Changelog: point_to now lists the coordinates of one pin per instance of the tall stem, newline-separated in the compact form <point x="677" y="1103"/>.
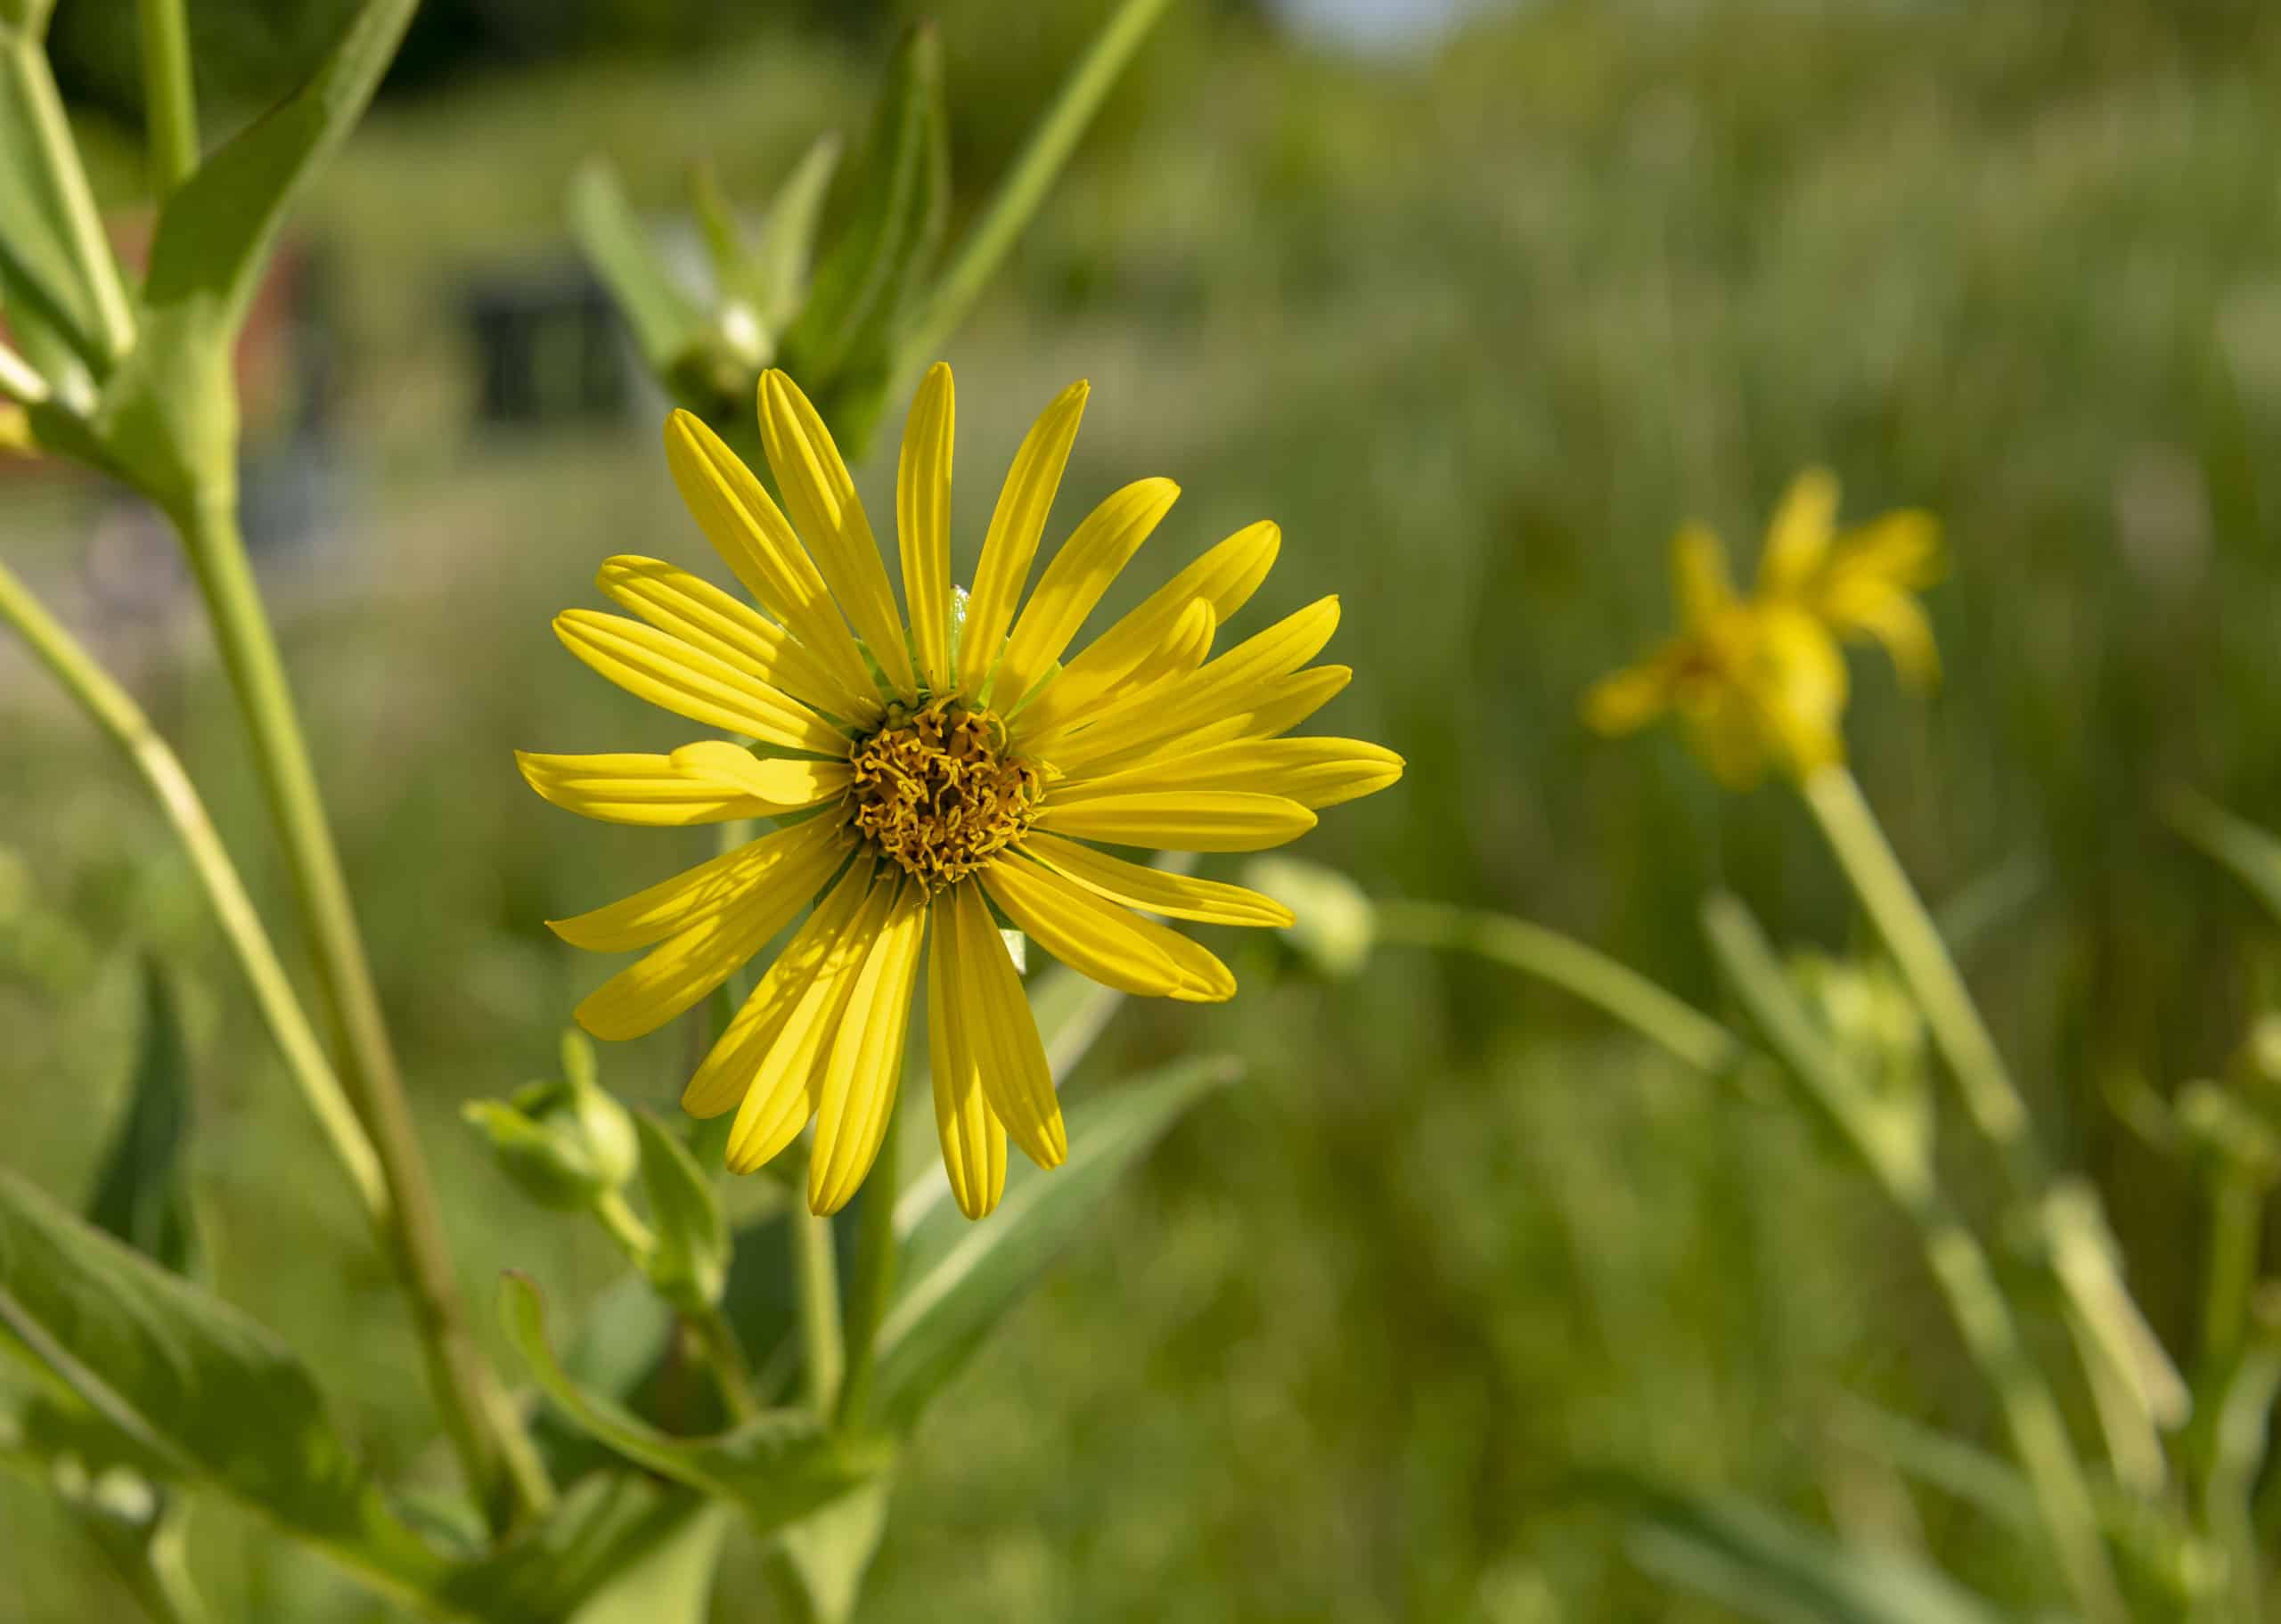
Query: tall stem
<point x="117" y="713"/>
<point x="479" y="1419"/>
<point x="1910" y="935"/>
<point x="169" y="98"/>
<point x="1023" y="187"/>
<point x="875" y="1265"/>
<point x="1569" y="964"/>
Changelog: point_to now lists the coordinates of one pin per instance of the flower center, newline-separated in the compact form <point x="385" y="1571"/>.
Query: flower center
<point x="936" y="790"/>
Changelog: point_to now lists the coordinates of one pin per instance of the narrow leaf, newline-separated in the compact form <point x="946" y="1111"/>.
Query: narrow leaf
<point x="817" y="1565"/>
<point x="666" y="321"/>
<point x="142" y="1196"/>
<point x="608" y="1528"/>
<point x="192" y="1382"/>
<point x="959" y="1280"/>
<point x="779" y="1466"/>
<point x="780" y="266"/>
<point x="1768" y="1566"/>
<point x="49" y="302"/>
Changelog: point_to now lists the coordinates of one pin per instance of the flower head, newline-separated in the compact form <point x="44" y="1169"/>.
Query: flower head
<point x="923" y="775"/>
<point x="1759" y="681"/>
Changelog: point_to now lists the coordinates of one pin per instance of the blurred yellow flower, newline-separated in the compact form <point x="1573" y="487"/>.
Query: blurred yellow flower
<point x="922" y="776"/>
<point x="1759" y="681"/>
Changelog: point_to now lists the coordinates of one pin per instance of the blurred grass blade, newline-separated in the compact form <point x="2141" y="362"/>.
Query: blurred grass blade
<point x="1023" y="188"/>
<point x="195" y="1382"/>
<point x="143" y="1193"/>
<point x="690" y="1261"/>
<point x="778" y="1467"/>
<point x="959" y="1278"/>
<point x="817" y="1565"/>
<point x="2252" y="854"/>
<point x="900" y="203"/>
<point x="780" y="267"/>
<point x="666" y="319"/>
<point x="1768" y="1566"/>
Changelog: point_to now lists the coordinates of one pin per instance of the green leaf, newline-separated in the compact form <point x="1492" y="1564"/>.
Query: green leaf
<point x="780" y="267"/>
<point x="816" y="1566"/>
<point x="690" y="1262"/>
<point x="1768" y="1566"/>
<point x="611" y="1529"/>
<point x="672" y="1583"/>
<point x="28" y="18"/>
<point x="958" y="1278"/>
<point x="193" y="1383"/>
<point x="875" y="269"/>
<point x="143" y="1194"/>
<point x="170" y="414"/>
<point x="666" y="320"/>
<point x="779" y="1466"/>
<point x="2252" y="855"/>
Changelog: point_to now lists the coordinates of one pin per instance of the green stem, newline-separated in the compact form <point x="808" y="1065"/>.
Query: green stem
<point x="1906" y="929"/>
<point x="169" y="98"/>
<point x="875" y="1265"/>
<point x="484" y="1427"/>
<point x="725" y="1356"/>
<point x="19" y="380"/>
<point x="1569" y="964"/>
<point x="635" y="1238"/>
<point x="1898" y="1156"/>
<point x="1023" y="187"/>
<point x="2229" y="1270"/>
<point x="57" y="157"/>
<point x="115" y="713"/>
<point x="816" y="1275"/>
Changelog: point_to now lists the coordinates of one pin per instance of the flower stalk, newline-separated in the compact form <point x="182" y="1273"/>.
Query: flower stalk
<point x="169" y="98"/>
<point x="485" y="1432"/>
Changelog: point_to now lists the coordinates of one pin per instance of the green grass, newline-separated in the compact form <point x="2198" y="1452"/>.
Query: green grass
<point x="1477" y="332"/>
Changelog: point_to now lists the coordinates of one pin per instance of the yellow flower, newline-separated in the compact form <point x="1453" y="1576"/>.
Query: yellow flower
<point x="1759" y="681"/>
<point x="921" y="778"/>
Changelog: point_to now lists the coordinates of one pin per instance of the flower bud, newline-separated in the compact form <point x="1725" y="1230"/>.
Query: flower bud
<point x="564" y="1141"/>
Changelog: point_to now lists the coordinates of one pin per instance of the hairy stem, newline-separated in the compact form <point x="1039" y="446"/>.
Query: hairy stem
<point x="484" y="1428"/>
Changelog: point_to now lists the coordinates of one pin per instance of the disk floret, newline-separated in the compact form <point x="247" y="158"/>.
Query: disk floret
<point x="937" y="790"/>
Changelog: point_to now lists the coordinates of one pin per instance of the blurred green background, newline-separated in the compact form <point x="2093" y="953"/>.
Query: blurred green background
<point x="1478" y="314"/>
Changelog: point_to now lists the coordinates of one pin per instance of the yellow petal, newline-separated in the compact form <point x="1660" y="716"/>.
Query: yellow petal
<point x="1180" y="896"/>
<point x="778" y="784"/>
<point x="865" y="1065"/>
<point x="974" y="1140"/>
<point x="728" y="1068"/>
<point x="1799" y="684"/>
<point x="1315" y="772"/>
<point x="757" y="541"/>
<point x="787" y="1087"/>
<point x="1700" y="576"/>
<point x="1798" y="540"/>
<point x="1900" y="549"/>
<point x="798" y="860"/>
<point x="1227" y="686"/>
<point x="1281" y="705"/>
<point x="1896" y="620"/>
<point x="1628" y="700"/>
<point x="673" y="976"/>
<point x="704" y="617"/>
<point x="1224" y="577"/>
<point x="674" y="676"/>
<point x="1073" y="582"/>
<point x="1180" y="820"/>
<point x="627" y="788"/>
<point x="922" y="521"/>
<point x="829" y="517"/>
<point x="1186" y="649"/>
<point x="1097" y="938"/>
<point x="991" y="1018"/>
<point x="1011" y="542"/>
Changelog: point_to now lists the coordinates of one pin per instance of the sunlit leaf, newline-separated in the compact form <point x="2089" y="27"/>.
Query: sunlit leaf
<point x="666" y="319"/>
<point x="787" y="238"/>
<point x="778" y="1467"/>
<point x="816" y="1566"/>
<point x="193" y="1383"/>
<point x="611" y="1529"/>
<point x="959" y="1278"/>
